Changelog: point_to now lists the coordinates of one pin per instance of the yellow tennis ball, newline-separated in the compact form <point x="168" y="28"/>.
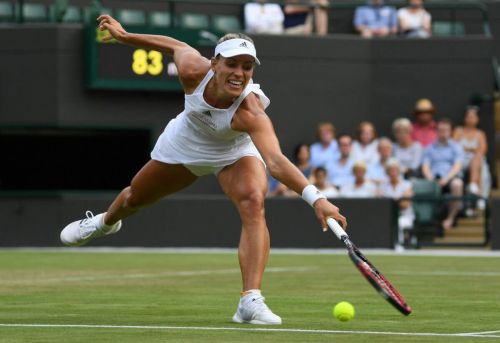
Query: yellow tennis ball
<point x="343" y="311"/>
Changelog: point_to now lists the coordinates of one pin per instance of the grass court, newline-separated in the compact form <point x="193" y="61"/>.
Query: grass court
<point x="89" y="296"/>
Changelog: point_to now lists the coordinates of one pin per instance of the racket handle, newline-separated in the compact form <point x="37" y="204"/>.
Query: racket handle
<point x="336" y="228"/>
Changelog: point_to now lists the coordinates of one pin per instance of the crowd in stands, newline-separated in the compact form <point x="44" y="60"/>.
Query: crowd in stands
<point x="375" y="19"/>
<point x="365" y="165"/>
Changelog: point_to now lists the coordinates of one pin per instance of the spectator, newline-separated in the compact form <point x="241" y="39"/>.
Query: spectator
<point x="414" y="20"/>
<point x="340" y="170"/>
<point x="263" y="17"/>
<point x="361" y="187"/>
<point x="302" y="159"/>
<point x="298" y="20"/>
<point x="375" y="19"/>
<point x="326" y="150"/>
<point x="406" y="151"/>
<point x="320" y="177"/>
<point x="473" y="142"/>
<point x="376" y="170"/>
<point x="397" y="188"/>
<point x="424" y="127"/>
<point x="366" y="145"/>
<point x="443" y="163"/>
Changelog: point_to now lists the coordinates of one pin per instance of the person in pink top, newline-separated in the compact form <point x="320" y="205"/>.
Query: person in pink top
<point x="424" y="126"/>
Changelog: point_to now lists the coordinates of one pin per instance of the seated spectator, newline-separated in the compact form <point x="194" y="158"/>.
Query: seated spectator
<point x="361" y="187"/>
<point x="442" y="162"/>
<point x="326" y="150"/>
<point x="320" y="177"/>
<point x="375" y="19"/>
<point x="376" y="170"/>
<point x="414" y="20"/>
<point x="397" y="188"/>
<point x="473" y="142"/>
<point x="365" y="147"/>
<point x="298" y="20"/>
<point x="406" y="151"/>
<point x="340" y="170"/>
<point x="424" y="127"/>
<point x="263" y="17"/>
<point x="302" y="157"/>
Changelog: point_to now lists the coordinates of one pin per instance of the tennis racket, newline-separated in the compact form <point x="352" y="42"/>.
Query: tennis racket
<point x="368" y="270"/>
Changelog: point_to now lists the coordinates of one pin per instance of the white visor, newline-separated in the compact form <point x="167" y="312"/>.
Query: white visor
<point x="235" y="47"/>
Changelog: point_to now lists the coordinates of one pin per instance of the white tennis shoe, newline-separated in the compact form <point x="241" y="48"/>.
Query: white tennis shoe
<point x="252" y="309"/>
<point x="82" y="231"/>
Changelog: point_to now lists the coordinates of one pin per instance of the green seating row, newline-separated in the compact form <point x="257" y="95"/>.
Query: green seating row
<point x="35" y="12"/>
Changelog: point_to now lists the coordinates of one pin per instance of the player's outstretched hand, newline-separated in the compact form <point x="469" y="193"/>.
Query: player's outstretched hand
<point x="115" y="29"/>
<point x="324" y="210"/>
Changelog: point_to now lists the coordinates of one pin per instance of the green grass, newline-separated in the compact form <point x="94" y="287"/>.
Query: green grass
<point x="448" y="295"/>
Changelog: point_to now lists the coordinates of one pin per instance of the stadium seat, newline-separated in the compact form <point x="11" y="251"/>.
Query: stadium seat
<point x="226" y="23"/>
<point x="159" y="19"/>
<point x="6" y="12"/>
<point x="448" y="28"/>
<point x="427" y="208"/>
<point x="34" y="13"/>
<point x="131" y="17"/>
<point x="194" y="21"/>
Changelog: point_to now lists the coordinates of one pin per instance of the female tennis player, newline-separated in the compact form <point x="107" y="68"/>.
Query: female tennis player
<point x="225" y="131"/>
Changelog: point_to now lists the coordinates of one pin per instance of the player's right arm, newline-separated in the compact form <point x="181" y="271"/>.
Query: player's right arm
<point x="191" y="65"/>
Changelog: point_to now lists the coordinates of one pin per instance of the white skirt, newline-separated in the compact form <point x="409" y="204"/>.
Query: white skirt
<point x="167" y="151"/>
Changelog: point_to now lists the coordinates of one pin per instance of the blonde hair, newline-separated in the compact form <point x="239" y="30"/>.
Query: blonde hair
<point x="401" y="123"/>
<point x="359" y="164"/>
<point x="392" y="162"/>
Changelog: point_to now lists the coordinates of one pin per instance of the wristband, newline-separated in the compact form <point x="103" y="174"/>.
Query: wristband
<point x="311" y="194"/>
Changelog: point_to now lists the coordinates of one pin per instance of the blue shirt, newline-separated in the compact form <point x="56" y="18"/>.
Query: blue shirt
<point x="441" y="157"/>
<point x="340" y="174"/>
<point x="321" y="157"/>
<point x="376" y="17"/>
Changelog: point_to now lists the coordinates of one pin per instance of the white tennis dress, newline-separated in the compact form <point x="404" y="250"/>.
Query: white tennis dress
<point x="201" y="137"/>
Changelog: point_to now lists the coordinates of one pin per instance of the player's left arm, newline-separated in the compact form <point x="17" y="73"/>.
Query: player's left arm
<point x="252" y="119"/>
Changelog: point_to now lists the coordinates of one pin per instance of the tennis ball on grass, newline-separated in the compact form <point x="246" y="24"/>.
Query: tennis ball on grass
<point x="343" y="311"/>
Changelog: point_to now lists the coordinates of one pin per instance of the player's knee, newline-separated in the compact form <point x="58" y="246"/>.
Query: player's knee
<point x="133" y="200"/>
<point x="252" y="204"/>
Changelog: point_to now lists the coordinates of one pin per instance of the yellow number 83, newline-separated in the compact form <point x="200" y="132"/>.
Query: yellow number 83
<point x="147" y="62"/>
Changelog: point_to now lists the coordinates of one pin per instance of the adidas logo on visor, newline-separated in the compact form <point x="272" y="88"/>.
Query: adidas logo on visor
<point x="244" y="45"/>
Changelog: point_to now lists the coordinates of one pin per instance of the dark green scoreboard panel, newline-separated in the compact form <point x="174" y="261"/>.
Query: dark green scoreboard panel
<point x="111" y="65"/>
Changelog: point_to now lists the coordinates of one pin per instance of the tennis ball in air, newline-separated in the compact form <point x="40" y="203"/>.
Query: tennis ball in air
<point x="343" y="311"/>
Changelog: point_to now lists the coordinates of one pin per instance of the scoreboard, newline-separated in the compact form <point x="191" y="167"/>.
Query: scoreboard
<point x="112" y="65"/>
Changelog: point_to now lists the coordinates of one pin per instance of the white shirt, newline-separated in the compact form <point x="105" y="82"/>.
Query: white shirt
<point x="414" y="20"/>
<point x="388" y="190"/>
<point x="366" y="190"/>
<point x="368" y="153"/>
<point x="263" y="18"/>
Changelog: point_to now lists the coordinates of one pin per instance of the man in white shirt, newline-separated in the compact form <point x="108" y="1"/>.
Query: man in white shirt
<point x="262" y="17"/>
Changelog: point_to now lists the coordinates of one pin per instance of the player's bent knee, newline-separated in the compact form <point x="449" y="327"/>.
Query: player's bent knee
<point x="252" y="204"/>
<point x="134" y="201"/>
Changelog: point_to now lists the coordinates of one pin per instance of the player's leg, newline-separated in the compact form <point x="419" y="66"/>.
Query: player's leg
<point x="245" y="183"/>
<point x="153" y="182"/>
